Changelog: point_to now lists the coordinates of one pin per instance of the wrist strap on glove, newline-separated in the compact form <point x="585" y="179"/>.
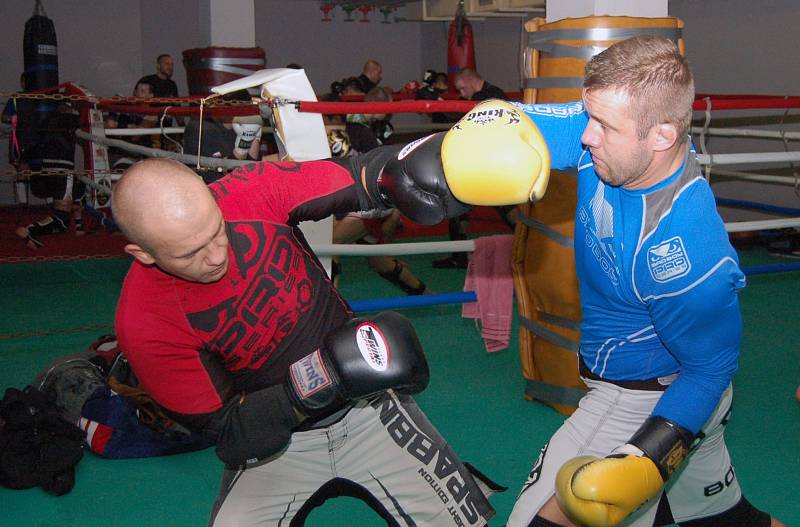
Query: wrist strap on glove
<point x="371" y="163"/>
<point x="664" y="442"/>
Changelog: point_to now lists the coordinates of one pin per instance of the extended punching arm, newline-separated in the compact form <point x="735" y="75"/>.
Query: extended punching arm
<point x="494" y="156"/>
<point x="602" y="492"/>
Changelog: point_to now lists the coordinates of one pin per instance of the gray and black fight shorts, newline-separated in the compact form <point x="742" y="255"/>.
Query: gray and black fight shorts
<point x="383" y="451"/>
<point x="606" y="418"/>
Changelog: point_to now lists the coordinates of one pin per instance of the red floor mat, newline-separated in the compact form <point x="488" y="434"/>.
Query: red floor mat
<point x="96" y="243"/>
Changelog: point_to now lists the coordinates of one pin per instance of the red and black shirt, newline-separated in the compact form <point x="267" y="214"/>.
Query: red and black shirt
<point x="194" y="346"/>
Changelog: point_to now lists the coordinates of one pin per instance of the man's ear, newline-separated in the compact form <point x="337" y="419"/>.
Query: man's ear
<point x="140" y="254"/>
<point x="666" y="136"/>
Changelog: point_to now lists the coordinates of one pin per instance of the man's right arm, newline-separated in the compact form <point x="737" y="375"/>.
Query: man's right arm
<point x="561" y="125"/>
<point x="195" y="389"/>
<point x="494" y="156"/>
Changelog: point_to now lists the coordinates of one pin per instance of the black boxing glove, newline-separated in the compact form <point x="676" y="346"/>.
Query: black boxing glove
<point x="382" y="129"/>
<point x="414" y="182"/>
<point x="361" y="358"/>
<point x="411" y="178"/>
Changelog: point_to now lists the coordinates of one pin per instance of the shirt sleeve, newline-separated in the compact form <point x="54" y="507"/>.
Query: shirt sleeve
<point x="690" y="283"/>
<point x="168" y="360"/>
<point x="288" y="192"/>
<point x="562" y="126"/>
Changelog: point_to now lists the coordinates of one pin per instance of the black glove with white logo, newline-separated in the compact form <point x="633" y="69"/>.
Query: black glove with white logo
<point x="361" y="358"/>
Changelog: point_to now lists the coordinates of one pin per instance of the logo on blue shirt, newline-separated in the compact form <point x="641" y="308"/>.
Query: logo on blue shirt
<point x="668" y="260"/>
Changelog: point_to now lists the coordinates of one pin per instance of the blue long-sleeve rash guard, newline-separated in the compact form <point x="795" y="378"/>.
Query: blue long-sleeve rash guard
<point x="658" y="277"/>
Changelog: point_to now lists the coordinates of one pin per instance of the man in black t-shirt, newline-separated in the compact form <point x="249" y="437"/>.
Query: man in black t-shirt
<point x="161" y="80"/>
<point x="370" y="75"/>
<point x="471" y="86"/>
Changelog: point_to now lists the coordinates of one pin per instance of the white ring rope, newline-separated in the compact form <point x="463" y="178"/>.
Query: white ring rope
<point x="393" y="249"/>
<point x="719" y="159"/>
<point x="143" y="131"/>
<point x="400" y="127"/>
<point x="749" y="158"/>
<point x="751" y="176"/>
<point x="212" y="162"/>
<point x="399" y="249"/>
<point x="745" y="132"/>
<point x="760" y="225"/>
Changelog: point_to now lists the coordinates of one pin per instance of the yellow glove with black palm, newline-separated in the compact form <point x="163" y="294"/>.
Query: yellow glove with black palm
<point x="601" y="492"/>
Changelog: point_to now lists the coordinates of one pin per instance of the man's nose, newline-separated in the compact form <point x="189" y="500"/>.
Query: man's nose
<point x="217" y="254"/>
<point x="590" y="136"/>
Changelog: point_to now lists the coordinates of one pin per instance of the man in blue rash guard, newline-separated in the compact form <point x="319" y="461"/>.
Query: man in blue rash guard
<point x="661" y="328"/>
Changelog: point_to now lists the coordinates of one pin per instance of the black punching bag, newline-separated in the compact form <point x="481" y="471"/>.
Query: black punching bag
<point x="41" y="51"/>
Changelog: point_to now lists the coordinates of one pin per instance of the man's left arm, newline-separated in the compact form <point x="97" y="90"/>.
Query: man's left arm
<point x="695" y="313"/>
<point x="702" y="329"/>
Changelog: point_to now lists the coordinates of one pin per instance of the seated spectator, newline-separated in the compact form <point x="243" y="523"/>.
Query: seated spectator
<point x="161" y="80"/>
<point x="368" y="131"/>
<point x="362" y="133"/>
<point x="471" y="86"/>
<point x="239" y="138"/>
<point x="370" y="76"/>
<point x="339" y="89"/>
<point x="121" y="159"/>
<point x="434" y="85"/>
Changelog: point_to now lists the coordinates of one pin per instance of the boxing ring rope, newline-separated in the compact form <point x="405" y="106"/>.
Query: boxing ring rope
<point x="211" y="162"/>
<point x="400" y="127"/>
<point x="738" y="102"/>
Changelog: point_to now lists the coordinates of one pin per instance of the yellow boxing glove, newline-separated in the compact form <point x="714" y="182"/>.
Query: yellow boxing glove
<point x="602" y="492"/>
<point x="495" y="155"/>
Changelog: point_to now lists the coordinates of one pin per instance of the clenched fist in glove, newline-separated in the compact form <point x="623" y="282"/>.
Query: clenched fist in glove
<point x="603" y="492"/>
<point x="495" y="155"/>
<point x="361" y="358"/>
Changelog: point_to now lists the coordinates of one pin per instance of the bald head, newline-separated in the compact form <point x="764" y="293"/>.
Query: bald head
<point x="373" y="70"/>
<point x="171" y="220"/>
<point x="467" y="82"/>
<point x="155" y="195"/>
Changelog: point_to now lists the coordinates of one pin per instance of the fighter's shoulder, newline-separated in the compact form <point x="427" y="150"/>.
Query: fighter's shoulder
<point x="144" y="285"/>
<point x="686" y="253"/>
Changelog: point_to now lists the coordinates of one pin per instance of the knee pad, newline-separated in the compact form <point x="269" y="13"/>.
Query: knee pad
<point x="743" y="513"/>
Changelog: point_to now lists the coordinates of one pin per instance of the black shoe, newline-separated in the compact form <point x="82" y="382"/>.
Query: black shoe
<point x="451" y="262"/>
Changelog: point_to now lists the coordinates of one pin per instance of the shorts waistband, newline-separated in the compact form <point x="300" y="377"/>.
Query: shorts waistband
<point x="649" y="385"/>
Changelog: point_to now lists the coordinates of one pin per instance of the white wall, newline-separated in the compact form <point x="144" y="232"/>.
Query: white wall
<point x="169" y="27"/>
<point x="741" y="46"/>
<point x="331" y="51"/>
<point x="735" y="46"/>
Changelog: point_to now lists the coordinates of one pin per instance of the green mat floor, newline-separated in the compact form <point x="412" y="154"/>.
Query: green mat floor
<point x="475" y="398"/>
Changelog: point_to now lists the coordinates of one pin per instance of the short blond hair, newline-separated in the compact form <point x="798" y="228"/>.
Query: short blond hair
<point x="654" y="75"/>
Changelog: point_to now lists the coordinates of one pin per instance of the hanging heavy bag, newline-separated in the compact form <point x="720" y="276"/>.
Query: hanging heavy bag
<point x="460" y="46"/>
<point x="40" y="51"/>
